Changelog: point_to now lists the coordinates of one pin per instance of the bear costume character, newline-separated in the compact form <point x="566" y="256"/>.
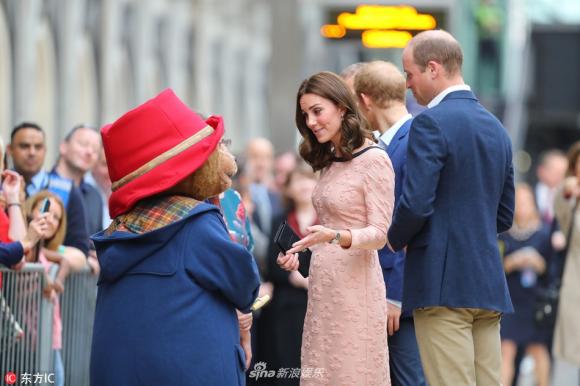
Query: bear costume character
<point x="171" y="278"/>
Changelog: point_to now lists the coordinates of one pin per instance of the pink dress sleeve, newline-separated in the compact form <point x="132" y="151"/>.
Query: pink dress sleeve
<point x="378" y="188"/>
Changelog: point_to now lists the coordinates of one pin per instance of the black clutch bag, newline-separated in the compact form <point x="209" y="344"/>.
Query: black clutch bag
<point x="284" y="239"/>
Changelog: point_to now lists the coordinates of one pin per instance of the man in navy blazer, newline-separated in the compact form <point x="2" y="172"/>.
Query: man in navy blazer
<point x="380" y="89"/>
<point x="458" y="194"/>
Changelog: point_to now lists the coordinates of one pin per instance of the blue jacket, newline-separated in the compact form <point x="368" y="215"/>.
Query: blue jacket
<point x="165" y="312"/>
<point x="393" y="263"/>
<point x="11" y="253"/>
<point x="457" y="196"/>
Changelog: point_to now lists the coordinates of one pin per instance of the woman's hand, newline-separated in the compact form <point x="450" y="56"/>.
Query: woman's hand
<point x="11" y="186"/>
<point x="288" y="262"/>
<point x="36" y="230"/>
<point x="245" y="320"/>
<point x="246" y="343"/>
<point x="18" y="266"/>
<point x="48" y="291"/>
<point x="317" y="234"/>
<point x="297" y="280"/>
<point x="93" y="263"/>
<point x="63" y="272"/>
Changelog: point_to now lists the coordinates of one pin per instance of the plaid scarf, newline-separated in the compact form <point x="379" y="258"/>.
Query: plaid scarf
<point x="153" y="213"/>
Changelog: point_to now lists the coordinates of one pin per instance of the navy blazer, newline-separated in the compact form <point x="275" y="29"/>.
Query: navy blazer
<point x="457" y="196"/>
<point x="393" y="263"/>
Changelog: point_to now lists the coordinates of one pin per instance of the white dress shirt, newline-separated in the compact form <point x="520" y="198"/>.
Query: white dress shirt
<point x="388" y="135"/>
<point x="435" y="101"/>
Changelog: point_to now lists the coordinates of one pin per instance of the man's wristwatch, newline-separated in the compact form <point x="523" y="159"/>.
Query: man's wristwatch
<point x="335" y="239"/>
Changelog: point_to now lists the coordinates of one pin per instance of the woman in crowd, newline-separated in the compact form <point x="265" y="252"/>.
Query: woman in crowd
<point x="567" y="333"/>
<point x="526" y="247"/>
<point x="14" y="228"/>
<point x="345" y="332"/>
<point x="52" y="245"/>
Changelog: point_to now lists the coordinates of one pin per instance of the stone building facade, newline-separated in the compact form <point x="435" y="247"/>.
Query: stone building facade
<point x="63" y="62"/>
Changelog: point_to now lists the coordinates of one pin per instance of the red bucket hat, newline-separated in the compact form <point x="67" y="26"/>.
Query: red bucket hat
<point x="154" y="146"/>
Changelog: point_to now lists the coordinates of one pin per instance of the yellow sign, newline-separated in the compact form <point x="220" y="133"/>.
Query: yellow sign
<point x="382" y="26"/>
<point x="402" y="17"/>
<point x="385" y="39"/>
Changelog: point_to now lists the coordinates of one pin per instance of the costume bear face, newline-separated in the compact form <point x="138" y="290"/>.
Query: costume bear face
<point x="212" y="178"/>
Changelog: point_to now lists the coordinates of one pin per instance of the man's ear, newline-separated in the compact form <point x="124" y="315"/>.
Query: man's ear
<point x="365" y="100"/>
<point x="62" y="148"/>
<point x="434" y="69"/>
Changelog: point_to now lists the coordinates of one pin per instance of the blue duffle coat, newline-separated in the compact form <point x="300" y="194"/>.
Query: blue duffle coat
<point x="166" y="304"/>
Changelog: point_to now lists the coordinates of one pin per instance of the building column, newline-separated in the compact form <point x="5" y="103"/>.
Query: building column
<point x="5" y="77"/>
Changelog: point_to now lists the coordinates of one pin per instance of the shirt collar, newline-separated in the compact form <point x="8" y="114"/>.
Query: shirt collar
<point x="459" y="87"/>
<point x="388" y="135"/>
<point x="39" y="181"/>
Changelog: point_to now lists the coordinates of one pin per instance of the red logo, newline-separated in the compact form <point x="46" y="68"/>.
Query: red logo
<point x="10" y="378"/>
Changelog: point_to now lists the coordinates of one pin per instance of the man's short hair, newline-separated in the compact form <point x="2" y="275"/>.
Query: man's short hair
<point x="25" y="125"/>
<point x="382" y="81"/>
<point x="76" y="128"/>
<point x="438" y="46"/>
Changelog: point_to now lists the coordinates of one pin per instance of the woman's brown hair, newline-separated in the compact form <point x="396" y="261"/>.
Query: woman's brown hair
<point x="354" y="128"/>
<point x="573" y="154"/>
<point x="55" y="241"/>
<point x="302" y="169"/>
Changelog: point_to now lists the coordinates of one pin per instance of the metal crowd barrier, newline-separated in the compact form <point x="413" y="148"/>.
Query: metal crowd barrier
<point x="78" y="312"/>
<point x="26" y="324"/>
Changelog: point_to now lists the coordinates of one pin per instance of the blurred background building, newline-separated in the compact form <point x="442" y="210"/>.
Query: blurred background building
<point x="68" y="61"/>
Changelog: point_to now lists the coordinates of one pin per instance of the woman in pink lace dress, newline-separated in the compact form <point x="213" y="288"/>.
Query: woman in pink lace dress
<point x="345" y="331"/>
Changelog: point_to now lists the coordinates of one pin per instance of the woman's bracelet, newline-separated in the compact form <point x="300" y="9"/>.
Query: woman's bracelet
<point x="13" y="204"/>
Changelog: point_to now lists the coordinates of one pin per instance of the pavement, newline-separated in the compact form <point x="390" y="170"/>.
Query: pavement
<point x="563" y="373"/>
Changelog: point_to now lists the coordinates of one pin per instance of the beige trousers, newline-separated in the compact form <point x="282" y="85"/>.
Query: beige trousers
<point x="459" y="346"/>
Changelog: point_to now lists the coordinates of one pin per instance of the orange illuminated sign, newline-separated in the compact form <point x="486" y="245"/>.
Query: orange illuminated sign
<point x="332" y="31"/>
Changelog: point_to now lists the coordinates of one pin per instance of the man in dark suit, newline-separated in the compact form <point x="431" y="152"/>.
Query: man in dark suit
<point x="457" y="196"/>
<point x="380" y="88"/>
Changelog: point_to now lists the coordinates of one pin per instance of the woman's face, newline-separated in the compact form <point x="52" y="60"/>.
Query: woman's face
<point x="53" y="218"/>
<point x="300" y="188"/>
<point x="322" y="117"/>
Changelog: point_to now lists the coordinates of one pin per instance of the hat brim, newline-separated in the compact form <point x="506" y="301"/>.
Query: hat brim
<point x="167" y="174"/>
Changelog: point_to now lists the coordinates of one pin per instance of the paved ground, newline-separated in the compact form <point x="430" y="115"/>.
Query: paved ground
<point x="564" y="374"/>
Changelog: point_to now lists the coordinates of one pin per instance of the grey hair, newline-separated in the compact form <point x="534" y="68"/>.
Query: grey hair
<point x="351" y="70"/>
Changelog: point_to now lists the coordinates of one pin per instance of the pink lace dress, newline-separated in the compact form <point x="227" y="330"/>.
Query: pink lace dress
<point x="345" y="331"/>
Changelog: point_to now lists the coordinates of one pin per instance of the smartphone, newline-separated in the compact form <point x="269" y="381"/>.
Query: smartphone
<point x="45" y="206"/>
